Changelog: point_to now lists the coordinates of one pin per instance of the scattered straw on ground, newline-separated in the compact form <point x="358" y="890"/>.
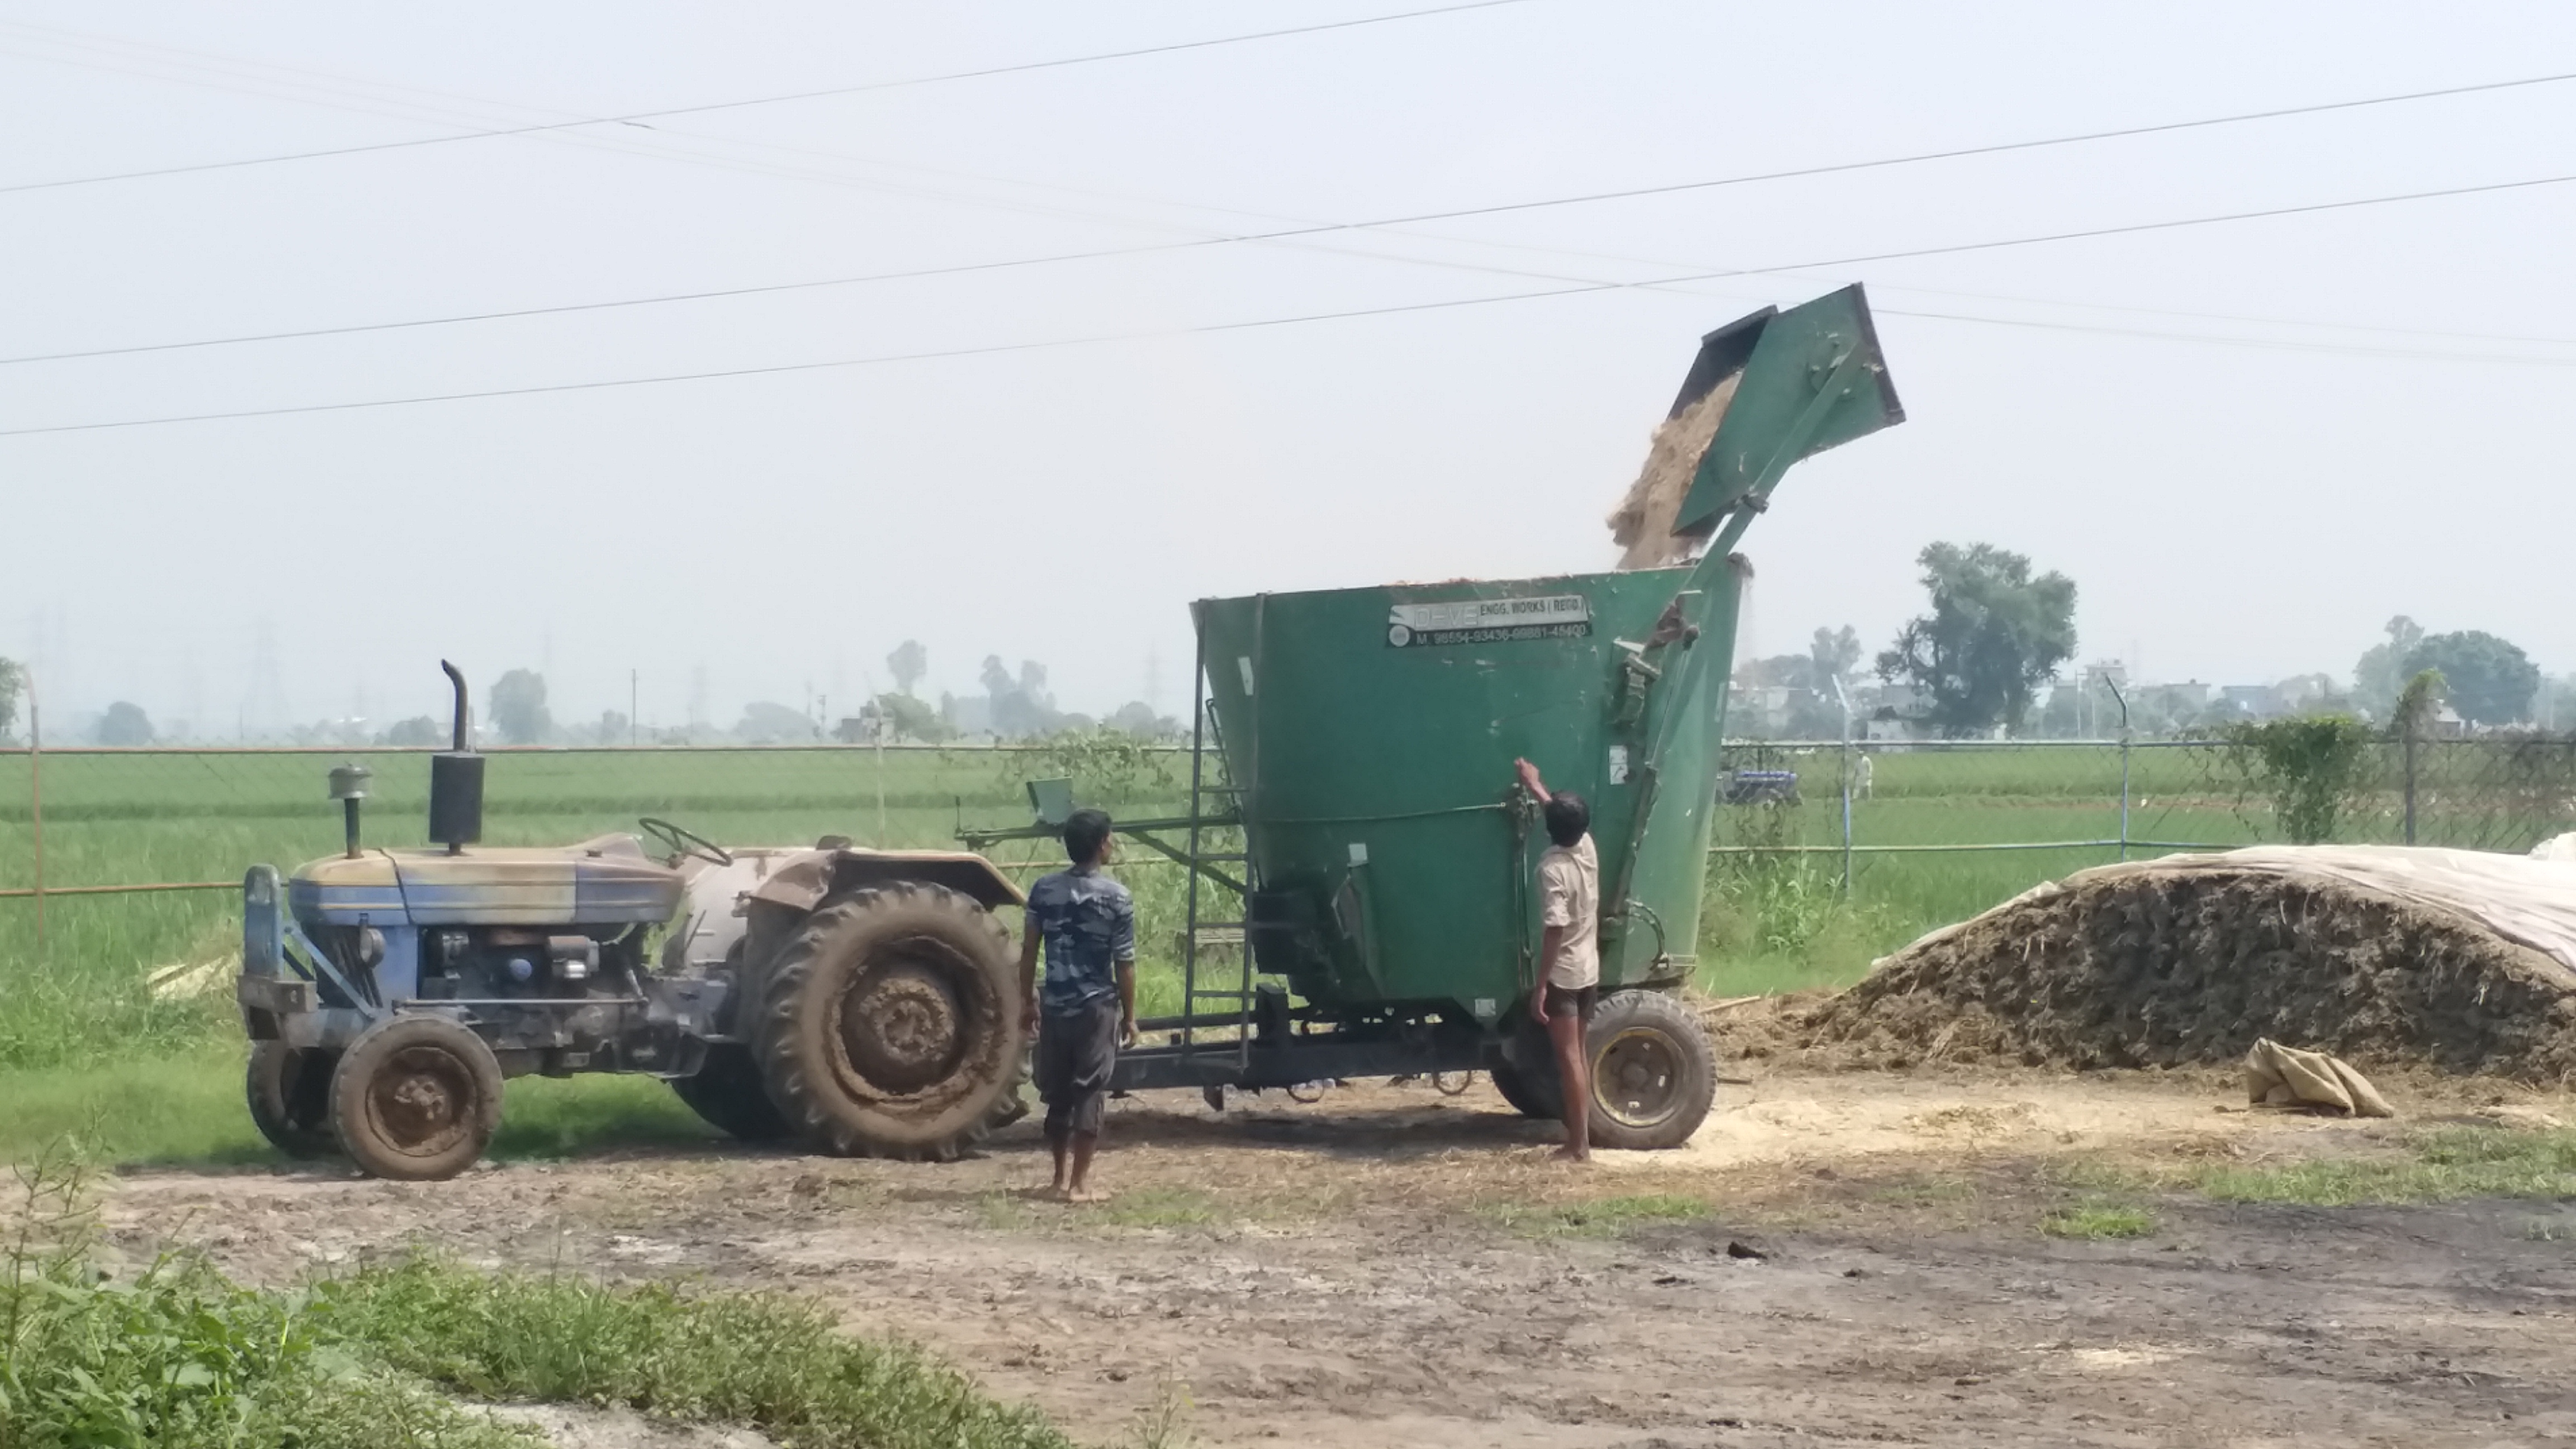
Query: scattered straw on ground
<point x="2161" y="969"/>
<point x="1642" y="525"/>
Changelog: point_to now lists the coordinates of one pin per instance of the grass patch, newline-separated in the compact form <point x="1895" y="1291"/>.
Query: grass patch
<point x="1004" y="1211"/>
<point x="1158" y="1207"/>
<point x="2433" y="1164"/>
<point x="776" y="1363"/>
<point x="188" y="1109"/>
<point x="2549" y="1230"/>
<point x="1607" y="1217"/>
<point x="178" y="1357"/>
<point x="549" y="1117"/>
<point x="2436" y="1165"/>
<point x="2099" y="1222"/>
<point x="1924" y="1190"/>
<point x="184" y="1108"/>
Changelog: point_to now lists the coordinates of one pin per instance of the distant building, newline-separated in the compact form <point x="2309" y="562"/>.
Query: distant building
<point x="2191" y="694"/>
<point x="2251" y="701"/>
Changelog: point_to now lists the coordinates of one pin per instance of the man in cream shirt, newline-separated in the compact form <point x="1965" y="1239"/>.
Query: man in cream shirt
<point x="1569" y="950"/>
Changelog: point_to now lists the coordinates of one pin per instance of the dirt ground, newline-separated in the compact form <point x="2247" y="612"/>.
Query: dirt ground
<point x="1391" y="1267"/>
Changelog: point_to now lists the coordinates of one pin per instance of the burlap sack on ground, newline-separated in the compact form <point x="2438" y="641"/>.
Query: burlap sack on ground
<point x="2280" y="1076"/>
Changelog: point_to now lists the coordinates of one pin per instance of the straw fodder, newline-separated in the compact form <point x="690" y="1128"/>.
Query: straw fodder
<point x="2162" y="970"/>
<point x="1642" y="524"/>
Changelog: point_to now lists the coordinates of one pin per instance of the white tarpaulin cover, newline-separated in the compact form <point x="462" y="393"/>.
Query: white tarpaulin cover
<point x="2522" y="898"/>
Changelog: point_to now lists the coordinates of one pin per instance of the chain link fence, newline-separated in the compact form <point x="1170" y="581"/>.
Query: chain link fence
<point x="108" y="822"/>
<point x="2118" y="798"/>
<point x="86" y="823"/>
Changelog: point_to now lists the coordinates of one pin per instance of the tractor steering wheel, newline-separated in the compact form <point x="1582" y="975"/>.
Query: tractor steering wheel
<point x="683" y="842"/>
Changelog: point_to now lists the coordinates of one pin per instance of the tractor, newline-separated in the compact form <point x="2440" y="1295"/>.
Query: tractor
<point x="864" y="1003"/>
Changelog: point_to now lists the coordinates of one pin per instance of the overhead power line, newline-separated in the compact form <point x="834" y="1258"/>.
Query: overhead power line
<point x="1580" y="289"/>
<point x="1318" y="229"/>
<point x="634" y="118"/>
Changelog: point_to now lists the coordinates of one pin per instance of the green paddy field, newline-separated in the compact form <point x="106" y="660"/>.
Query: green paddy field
<point x="86" y="1045"/>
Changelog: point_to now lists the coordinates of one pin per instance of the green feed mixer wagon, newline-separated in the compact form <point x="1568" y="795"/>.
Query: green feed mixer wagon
<point x="1361" y="897"/>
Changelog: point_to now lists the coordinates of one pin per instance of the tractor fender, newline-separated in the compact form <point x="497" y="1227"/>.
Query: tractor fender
<point x="812" y="877"/>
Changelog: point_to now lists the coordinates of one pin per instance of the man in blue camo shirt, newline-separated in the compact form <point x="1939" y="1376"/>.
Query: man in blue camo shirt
<point x="1086" y="924"/>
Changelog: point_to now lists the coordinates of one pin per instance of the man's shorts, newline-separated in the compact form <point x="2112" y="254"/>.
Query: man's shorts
<point x="1577" y="1003"/>
<point x="1077" y="1051"/>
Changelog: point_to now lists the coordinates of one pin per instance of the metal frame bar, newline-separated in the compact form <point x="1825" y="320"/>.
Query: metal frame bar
<point x="1198" y="768"/>
<point x="1939" y="849"/>
<point x="38" y="892"/>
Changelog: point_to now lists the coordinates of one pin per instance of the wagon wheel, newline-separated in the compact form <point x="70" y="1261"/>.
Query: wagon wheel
<point x="1453" y="1084"/>
<point x="1653" y="1073"/>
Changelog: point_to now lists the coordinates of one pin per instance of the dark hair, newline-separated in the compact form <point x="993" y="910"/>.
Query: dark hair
<point x="1567" y="818"/>
<point x="1084" y="833"/>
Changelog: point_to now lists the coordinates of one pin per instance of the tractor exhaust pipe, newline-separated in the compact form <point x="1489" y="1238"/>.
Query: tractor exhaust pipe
<point x="349" y="786"/>
<point x="456" y="781"/>
<point x="456" y="676"/>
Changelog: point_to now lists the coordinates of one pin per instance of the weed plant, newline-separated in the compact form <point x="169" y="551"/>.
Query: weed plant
<point x="175" y="1356"/>
<point x="2437" y="1165"/>
<point x="2099" y="1222"/>
<point x="776" y="1363"/>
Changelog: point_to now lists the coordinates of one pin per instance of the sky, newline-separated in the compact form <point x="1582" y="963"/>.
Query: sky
<point x="2249" y="442"/>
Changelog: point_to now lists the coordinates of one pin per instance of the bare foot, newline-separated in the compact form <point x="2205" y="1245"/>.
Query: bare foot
<point x="1570" y="1154"/>
<point x="1055" y="1192"/>
<point x="1087" y="1193"/>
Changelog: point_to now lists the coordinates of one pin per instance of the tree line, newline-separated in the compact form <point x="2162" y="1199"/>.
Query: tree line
<point x="1997" y="634"/>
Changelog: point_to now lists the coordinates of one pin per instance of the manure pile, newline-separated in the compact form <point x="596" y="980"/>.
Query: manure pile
<point x="2151" y="966"/>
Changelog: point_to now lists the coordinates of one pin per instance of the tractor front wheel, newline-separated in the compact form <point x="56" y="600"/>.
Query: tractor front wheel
<point x="289" y="1089"/>
<point x="890" y="1024"/>
<point x="416" y="1098"/>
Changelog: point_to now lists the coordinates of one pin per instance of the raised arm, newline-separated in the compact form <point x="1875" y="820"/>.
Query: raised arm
<point x="1530" y="780"/>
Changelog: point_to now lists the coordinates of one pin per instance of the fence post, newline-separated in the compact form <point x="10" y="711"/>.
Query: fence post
<point x="2407" y="736"/>
<point x="2125" y="742"/>
<point x="36" y="798"/>
<point x="882" y="842"/>
<point x="1843" y="697"/>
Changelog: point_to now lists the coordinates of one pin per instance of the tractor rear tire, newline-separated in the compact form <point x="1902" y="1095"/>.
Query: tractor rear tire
<point x="1654" y="1074"/>
<point x="728" y="1095"/>
<point x="890" y="1024"/>
<point x="289" y="1089"/>
<point x="416" y="1098"/>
